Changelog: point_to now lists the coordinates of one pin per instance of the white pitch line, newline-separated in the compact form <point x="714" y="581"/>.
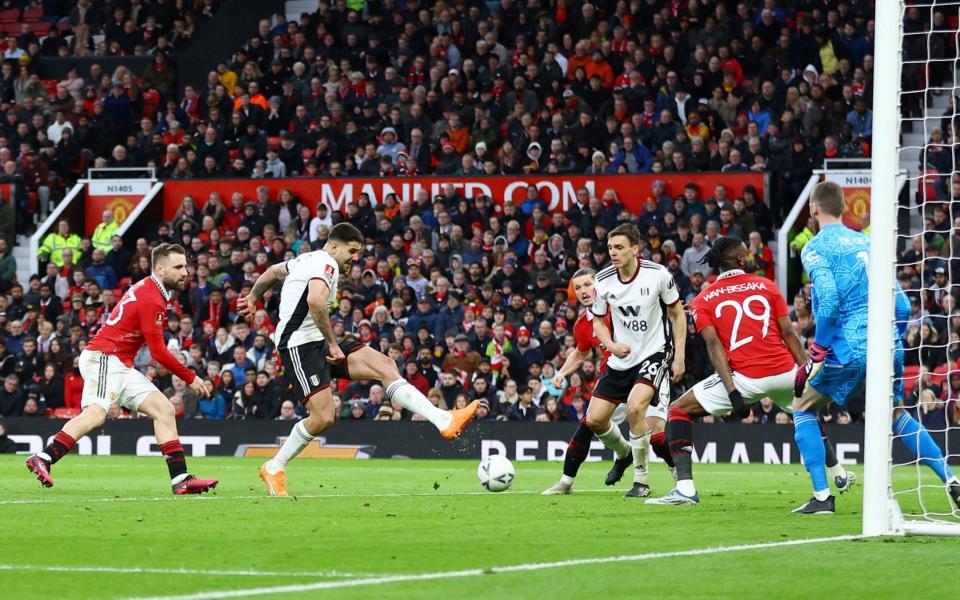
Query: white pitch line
<point x="181" y="571"/>
<point x="172" y="498"/>
<point x="326" y="585"/>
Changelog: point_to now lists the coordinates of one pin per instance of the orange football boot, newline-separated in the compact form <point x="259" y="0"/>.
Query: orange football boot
<point x="461" y="416"/>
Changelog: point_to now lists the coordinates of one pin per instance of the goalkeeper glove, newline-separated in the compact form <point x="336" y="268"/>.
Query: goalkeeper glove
<point x="817" y="354"/>
<point x="740" y="410"/>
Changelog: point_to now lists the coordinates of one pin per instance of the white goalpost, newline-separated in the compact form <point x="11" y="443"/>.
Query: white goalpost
<point x="901" y="497"/>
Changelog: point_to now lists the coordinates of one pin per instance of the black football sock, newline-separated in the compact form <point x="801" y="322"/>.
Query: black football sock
<point x="577" y="450"/>
<point x="58" y="447"/>
<point x="680" y="440"/>
<point x="176" y="461"/>
<point x="658" y="441"/>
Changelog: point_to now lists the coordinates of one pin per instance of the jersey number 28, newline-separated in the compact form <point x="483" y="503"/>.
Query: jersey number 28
<point x="746" y="310"/>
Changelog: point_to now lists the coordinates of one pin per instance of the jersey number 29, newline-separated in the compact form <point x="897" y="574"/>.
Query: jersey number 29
<point x="746" y="310"/>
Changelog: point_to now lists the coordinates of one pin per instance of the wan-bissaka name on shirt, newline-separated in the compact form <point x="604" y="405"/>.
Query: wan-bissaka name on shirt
<point x="739" y="287"/>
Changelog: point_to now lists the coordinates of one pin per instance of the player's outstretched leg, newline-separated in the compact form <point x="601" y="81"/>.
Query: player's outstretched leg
<point x="680" y="440"/>
<point x="843" y="479"/>
<point x="577" y="449"/>
<point x="273" y="472"/>
<point x="40" y="464"/>
<point x="367" y="363"/>
<point x="159" y="408"/>
<point x="920" y="444"/>
<point x="597" y="422"/>
<point x="807" y="436"/>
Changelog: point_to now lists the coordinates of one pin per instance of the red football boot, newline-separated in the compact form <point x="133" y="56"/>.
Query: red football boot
<point x="192" y="485"/>
<point x="41" y="469"/>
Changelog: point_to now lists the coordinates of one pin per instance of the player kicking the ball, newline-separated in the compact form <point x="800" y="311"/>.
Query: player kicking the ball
<point x="744" y="321"/>
<point x="314" y="357"/>
<point x="646" y="339"/>
<point x="836" y="260"/>
<point x="106" y="365"/>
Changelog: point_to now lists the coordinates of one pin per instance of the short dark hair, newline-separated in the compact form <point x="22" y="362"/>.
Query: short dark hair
<point x="344" y="233"/>
<point x="829" y="197"/>
<point x="627" y="230"/>
<point x="719" y="254"/>
<point x="162" y="251"/>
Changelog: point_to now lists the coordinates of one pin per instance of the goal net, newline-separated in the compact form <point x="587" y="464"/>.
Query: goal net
<point x="916" y="123"/>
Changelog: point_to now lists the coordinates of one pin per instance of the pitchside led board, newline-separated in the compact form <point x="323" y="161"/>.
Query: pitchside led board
<point x="118" y="195"/>
<point x="559" y="192"/>
<point x="856" y="192"/>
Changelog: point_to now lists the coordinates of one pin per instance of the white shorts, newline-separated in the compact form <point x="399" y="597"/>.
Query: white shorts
<point x="108" y="381"/>
<point x="712" y="394"/>
<point x="660" y="410"/>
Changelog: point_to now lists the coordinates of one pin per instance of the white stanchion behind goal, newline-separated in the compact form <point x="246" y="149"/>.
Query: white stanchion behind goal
<point x="909" y="92"/>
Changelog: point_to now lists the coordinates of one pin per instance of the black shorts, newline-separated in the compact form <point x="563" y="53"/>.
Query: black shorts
<point x="307" y="367"/>
<point x="348" y="346"/>
<point x="614" y="386"/>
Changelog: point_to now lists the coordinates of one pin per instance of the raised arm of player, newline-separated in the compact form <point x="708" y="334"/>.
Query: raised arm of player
<point x="151" y="324"/>
<point x="318" y="293"/>
<point x="267" y="280"/>
<point x="575" y="358"/>
<point x="791" y="340"/>
<point x="678" y="323"/>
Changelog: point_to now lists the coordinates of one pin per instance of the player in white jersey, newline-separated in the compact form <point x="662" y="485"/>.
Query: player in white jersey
<point x="299" y="340"/>
<point x="646" y="340"/>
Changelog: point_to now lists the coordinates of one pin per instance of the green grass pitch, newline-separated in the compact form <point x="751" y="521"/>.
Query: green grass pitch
<point x="111" y="529"/>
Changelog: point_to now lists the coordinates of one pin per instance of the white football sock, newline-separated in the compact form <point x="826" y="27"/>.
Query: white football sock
<point x="822" y="494"/>
<point x="411" y="399"/>
<point x="566" y="480"/>
<point x="686" y="487"/>
<point x="614" y="440"/>
<point x="292" y="446"/>
<point x="640" y="444"/>
<point x="837" y="471"/>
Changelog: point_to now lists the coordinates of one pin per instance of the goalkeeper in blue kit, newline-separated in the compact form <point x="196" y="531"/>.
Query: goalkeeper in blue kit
<point x="836" y="260"/>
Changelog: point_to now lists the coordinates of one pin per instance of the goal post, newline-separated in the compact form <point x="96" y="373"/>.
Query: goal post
<point x="903" y="497"/>
<point x="878" y="509"/>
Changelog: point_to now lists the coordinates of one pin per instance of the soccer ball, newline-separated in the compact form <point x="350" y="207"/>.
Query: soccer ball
<point x="495" y="473"/>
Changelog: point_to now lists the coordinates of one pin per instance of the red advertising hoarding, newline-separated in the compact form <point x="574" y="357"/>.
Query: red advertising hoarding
<point x="558" y="191"/>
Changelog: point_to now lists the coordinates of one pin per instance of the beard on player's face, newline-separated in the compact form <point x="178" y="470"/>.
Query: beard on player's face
<point x="174" y="282"/>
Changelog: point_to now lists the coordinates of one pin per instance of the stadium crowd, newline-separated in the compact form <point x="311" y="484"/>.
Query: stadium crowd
<point x="468" y="295"/>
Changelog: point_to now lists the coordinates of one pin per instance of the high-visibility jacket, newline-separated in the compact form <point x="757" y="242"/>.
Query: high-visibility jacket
<point x="102" y="234"/>
<point x="54" y="245"/>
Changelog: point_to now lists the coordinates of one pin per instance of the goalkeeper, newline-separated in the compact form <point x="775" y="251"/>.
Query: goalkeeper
<point x="836" y="260"/>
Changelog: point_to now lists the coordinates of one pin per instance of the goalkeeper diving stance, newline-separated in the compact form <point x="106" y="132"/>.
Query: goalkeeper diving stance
<point x="836" y="260"/>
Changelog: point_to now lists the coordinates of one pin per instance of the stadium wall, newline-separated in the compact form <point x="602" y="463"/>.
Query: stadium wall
<point x="723" y="443"/>
<point x="558" y="191"/>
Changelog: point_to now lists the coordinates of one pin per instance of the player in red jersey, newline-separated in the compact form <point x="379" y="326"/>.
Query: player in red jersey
<point x="745" y="323"/>
<point x="106" y="365"/>
<point x="598" y="419"/>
